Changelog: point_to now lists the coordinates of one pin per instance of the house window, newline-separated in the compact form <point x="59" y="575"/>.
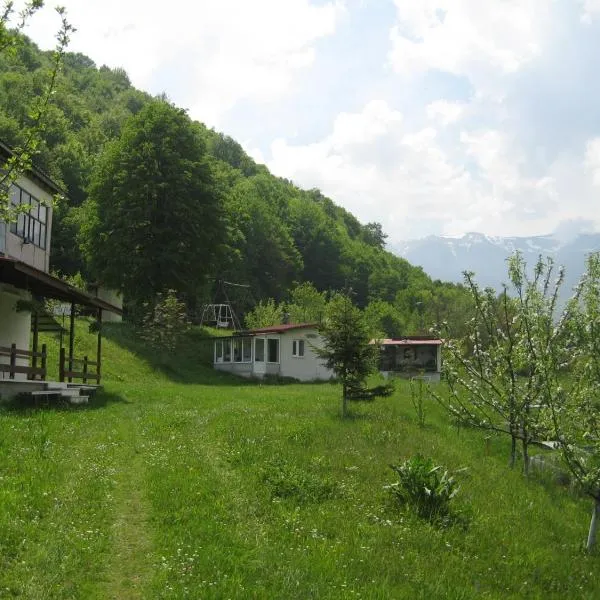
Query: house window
<point x="219" y="351"/>
<point x="30" y="226"/>
<point x="237" y="351"/>
<point x="272" y="351"/>
<point x="259" y="350"/>
<point x="247" y="350"/>
<point x="298" y="348"/>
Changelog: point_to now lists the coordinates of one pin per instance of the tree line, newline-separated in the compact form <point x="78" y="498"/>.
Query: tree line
<point x="157" y="201"/>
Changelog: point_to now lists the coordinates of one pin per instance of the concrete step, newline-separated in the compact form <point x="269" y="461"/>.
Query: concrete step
<point x="78" y="399"/>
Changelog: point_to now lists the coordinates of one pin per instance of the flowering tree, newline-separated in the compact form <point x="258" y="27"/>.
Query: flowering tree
<point x="497" y="374"/>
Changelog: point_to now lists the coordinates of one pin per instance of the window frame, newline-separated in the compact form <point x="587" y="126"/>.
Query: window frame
<point x="30" y="226"/>
<point x="298" y="348"/>
<point x="268" y="351"/>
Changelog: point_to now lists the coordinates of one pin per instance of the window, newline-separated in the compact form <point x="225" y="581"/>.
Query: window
<point x="237" y="351"/>
<point x="298" y="348"/>
<point x="219" y="351"/>
<point x="272" y="351"/>
<point x="247" y="350"/>
<point x="30" y="226"/>
<point x="227" y="350"/>
<point x="259" y="350"/>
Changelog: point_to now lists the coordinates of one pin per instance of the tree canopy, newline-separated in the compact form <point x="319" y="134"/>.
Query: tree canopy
<point x="156" y="218"/>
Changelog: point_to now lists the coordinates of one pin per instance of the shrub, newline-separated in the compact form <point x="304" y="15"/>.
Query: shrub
<point x="425" y="487"/>
<point x="165" y="322"/>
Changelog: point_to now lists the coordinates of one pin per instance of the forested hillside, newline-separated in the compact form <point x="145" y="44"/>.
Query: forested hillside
<point x="156" y="201"/>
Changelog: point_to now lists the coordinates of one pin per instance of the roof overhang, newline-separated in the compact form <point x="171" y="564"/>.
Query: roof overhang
<point x="407" y="342"/>
<point x="39" y="283"/>
<point x="34" y="173"/>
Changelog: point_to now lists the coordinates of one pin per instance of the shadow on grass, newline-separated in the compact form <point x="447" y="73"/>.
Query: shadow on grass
<point x="26" y="404"/>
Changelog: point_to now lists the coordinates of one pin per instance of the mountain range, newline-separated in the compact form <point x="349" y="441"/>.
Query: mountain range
<point x="447" y="258"/>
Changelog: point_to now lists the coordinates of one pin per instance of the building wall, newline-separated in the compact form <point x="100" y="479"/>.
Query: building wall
<point x="29" y="253"/>
<point x="15" y="327"/>
<point x="306" y="368"/>
<point x="112" y="297"/>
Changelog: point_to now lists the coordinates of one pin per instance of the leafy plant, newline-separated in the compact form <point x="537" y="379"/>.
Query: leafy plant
<point x="165" y="322"/>
<point x="425" y="487"/>
<point x="417" y="393"/>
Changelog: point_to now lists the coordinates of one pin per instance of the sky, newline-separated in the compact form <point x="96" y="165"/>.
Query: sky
<point x="430" y="116"/>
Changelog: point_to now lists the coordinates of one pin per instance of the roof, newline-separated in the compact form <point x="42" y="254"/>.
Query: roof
<point x="282" y="328"/>
<point x="410" y="342"/>
<point x="23" y="276"/>
<point x="35" y="173"/>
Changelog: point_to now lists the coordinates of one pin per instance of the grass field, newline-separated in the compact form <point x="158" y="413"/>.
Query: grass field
<point x="179" y="482"/>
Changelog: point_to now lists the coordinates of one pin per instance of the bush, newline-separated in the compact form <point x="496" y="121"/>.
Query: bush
<point x="165" y="322"/>
<point x="425" y="487"/>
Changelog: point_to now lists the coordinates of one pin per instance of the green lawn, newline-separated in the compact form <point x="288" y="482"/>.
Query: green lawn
<point x="178" y="482"/>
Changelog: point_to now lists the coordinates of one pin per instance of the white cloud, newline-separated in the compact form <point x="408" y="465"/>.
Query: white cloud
<point x="590" y="9"/>
<point x="592" y="160"/>
<point x="376" y="166"/>
<point x="466" y="37"/>
<point x="444" y="112"/>
<point x="207" y="55"/>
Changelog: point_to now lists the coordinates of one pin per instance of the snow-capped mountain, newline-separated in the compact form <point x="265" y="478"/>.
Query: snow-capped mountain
<point x="446" y="258"/>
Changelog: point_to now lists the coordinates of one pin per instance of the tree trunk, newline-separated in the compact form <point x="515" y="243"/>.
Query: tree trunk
<point x="525" y="445"/>
<point x="513" y="451"/>
<point x="344" y="400"/>
<point x="591" y="541"/>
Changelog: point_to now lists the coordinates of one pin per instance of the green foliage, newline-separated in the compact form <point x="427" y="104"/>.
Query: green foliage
<point x="347" y="350"/>
<point x="427" y="488"/>
<point x="264" y="314"/>
<point x="285" y="480"/>
<point x="165" y="321"/>
<point x="306" y="305"/>
<point x="417" y="397"/>
<point x="158" y="221"/>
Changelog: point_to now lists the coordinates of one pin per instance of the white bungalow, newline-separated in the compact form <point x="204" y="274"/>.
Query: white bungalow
<point x="411" y="356"/>
<point x="285" y="350"/>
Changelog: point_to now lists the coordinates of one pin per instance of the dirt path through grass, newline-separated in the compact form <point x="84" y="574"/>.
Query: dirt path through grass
<point x="130" y="568"/>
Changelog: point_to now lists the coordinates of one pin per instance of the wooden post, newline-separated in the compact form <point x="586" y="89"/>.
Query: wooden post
<point x="44" y="356"/>
<point x="85" y="368"/>
<point x="71" y="338"/>
<point x="99" y="348"/>
<point x="35" y="342"/>
<point x="13" y="360"/>
<point x="61" y="365"/>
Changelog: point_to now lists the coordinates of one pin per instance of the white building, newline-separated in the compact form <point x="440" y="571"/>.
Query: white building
<point x="25" y="282"/>
<point x="285" y="350"/>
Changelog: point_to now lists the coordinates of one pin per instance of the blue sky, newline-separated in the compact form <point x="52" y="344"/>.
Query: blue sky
<point x="432" y="117"/>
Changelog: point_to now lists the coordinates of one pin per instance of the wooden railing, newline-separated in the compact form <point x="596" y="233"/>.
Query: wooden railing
<point x="33" y="371"/>
<point x="66" y="368"/>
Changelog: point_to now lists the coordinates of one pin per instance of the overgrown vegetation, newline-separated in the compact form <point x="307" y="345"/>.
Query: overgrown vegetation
<point x="180" y="481"/>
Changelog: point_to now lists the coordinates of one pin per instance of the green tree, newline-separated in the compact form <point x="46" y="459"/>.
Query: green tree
<point x="158" y="221"/>
<point x="264" y="314"/>
<point x="348" y="352"/>
<point x="11" y="25"/>
<point x="307" y="305"/>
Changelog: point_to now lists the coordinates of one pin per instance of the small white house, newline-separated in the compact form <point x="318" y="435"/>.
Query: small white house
<point x="285" y="350"/>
